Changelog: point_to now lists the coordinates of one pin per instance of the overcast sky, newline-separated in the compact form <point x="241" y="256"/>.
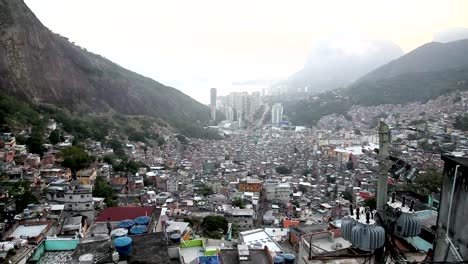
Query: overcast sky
<point x="195" y="45"/>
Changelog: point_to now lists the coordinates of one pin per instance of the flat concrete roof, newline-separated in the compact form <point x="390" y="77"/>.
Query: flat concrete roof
<point x="28" y="231"/>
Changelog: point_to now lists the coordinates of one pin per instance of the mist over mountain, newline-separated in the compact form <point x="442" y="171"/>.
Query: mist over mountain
<point x="450" y="34"/>
<point x="429" y="71"/>
<point x="339" y="60"/>
<point x="39" y="66"/>
<point x="430" y="57"/>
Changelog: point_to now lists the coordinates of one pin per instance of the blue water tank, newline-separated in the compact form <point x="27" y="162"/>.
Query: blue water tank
<point x="175" y="238"/>
<point x="289" y="258"/>
<point x="126" y="223"/>
<point x="142" y="220"/>
<point x="139" y="229"/>
<point x="278" y="260"/>
<point x="123" y="245"/>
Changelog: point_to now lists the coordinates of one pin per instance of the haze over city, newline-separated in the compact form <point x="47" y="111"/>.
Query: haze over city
<point x="196" y="45"/>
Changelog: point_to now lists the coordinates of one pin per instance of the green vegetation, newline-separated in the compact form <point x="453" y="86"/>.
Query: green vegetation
<point x="238" y="202"/>
<point x="103" y="190"/>
<point x="204" y="190"/>
<point x="306" y="172"/>
<point x="347" y="195"/>
<point x="54" y="137"/>
<point x="18" y="115"/>
<point x="461" y="122"/>
<point x="35" y="143"/>
<point x="371" y="203"/>
<point x="428" y="182"/>
<point x="283" y="170"/>
<point x="74" y="158"/>
<point x="23" y="195"/>
<point x="404" y="88"/>
<point x="214" y="226"/>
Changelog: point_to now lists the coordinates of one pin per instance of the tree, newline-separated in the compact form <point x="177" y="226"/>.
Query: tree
<point x="205" y="190"/>
<point x="238" y="202"/>
<point x="161" y="141"/>
<point x="182" y="139"/>
<point x="103" y="190"/>
<point x="348" y="196"/>
<point x="461" y="122"/>
<point x="35" y="143"/>
<point x="54" y="136"/>
<point x="306" y="172"/>
<point x="283" y="170"/>
<point x="109" y="159"/>
<point x="371" y="203"/>
<point x="23" y="195"/>
<point x="214" y="226"/>
<point x="428" y="182"/>
<point x="74" y="158"/>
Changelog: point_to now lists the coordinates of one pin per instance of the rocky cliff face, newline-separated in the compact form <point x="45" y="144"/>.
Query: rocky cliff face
<point x="40" y="66"/>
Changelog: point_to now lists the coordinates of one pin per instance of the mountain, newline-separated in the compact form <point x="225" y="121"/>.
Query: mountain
<point x="430" y="57"/>
<point x="39" y="66"/>
<point x="450" y="34"/>
<point x="338" y="61"/>
<point x="429" y="71"/>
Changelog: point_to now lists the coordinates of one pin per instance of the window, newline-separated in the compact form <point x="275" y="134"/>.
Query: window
<point x="71" y="197"/>
<point x="87" y="205"/>
<point x="82" y="196"/>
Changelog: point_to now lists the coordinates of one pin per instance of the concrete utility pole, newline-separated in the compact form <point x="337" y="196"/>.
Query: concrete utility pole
<point x="384" y="166"/>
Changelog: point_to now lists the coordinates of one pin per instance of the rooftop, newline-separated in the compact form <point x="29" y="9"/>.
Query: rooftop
<point x="150" y="249"/>
<point x="123" y="213"/>
<point x="258" y="238"/>
<point x="23" y="231"/>
<point x="256" y="256"/>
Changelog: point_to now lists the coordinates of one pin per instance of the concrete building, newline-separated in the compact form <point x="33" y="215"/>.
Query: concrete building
<point x="243" y="218"/>
<point x="78" y="201"/>
<point x="213" y="103"/>
<point x="277" y="114"/>
<point x="276" y="191"/>
<point x="172" y="183"/>
<point x="229" y="113"/>
<point x="283" y="192"/>
<point x="250" y="185"/>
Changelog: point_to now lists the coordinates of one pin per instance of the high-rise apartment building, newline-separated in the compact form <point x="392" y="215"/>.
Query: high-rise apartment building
<point x="277" y="114"/>
<point x="213" y="103"/>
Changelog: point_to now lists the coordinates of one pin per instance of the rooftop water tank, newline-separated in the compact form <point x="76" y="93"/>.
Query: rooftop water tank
<point x="367" y="237"/>
<point x="289" y="258"/>
<point x="139" y="229"/>
<point x="123" y="245"/>
<point x="119" y="232"/>
<point x="175" y="238"/>
<point x="126" y="223"/>
<point x="407" y="225"/>
<point x="278" y="260"/>
<point x="142" y="220"/>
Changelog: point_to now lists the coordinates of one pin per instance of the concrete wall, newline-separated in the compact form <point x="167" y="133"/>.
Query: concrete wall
<point x="458" y="230"/>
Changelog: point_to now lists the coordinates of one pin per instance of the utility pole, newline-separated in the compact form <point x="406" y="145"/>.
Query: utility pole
<point x="384" y="166"/>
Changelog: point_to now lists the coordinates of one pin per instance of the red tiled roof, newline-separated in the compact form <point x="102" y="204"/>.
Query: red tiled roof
<point x="122" y="213"/>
